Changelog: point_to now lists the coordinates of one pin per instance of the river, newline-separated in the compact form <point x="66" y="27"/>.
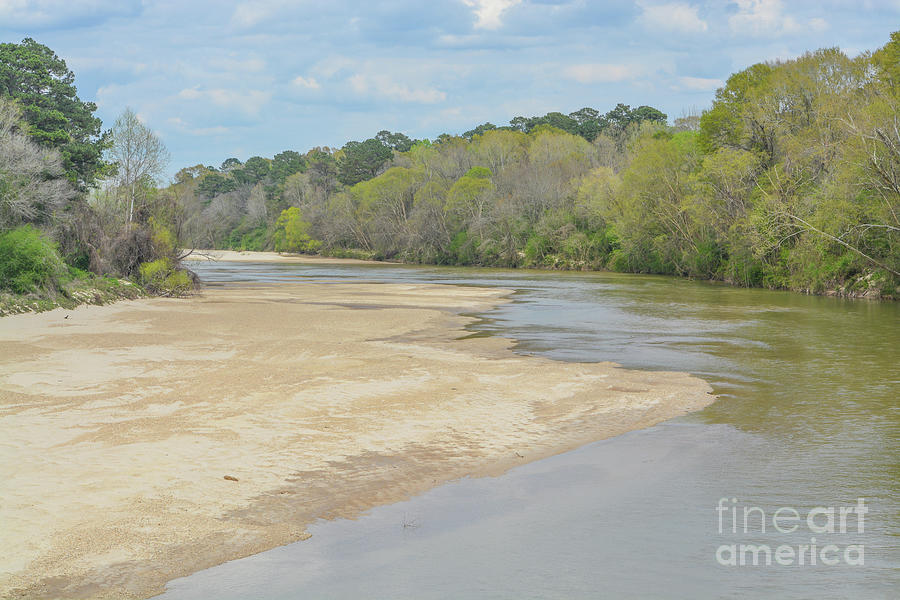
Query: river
<point x="808" y="417"/>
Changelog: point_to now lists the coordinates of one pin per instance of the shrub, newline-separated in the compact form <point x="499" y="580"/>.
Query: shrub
<point x="462" y="249"/>
<point x="28" y="261"/>
<point x="291" y="233"/>
<point x="536" y="248"/>
<point x="160" y="277"/>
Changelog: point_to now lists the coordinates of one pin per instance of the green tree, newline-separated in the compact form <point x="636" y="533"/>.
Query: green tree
<point x="479" y="130"/>
<point x="648" y="113"/>
<point x="215" y="184"/>
<point x="887" y="62"/>
<point x="292" y="233"/>
<point x="588" y="123"/>
<point x="395" y="141"/>
<point x="57" y="118"/>
<point x="618" y="118"/>
<point x="286" y="164"/>
<point x="254" y="170"/>
<point x="230" y="164"/>
<point x="361" y="161"/>
<point x="469" y="197"/>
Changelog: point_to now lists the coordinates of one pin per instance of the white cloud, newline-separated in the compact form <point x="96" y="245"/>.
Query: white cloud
<point x="247" y="101"/>
<point x="233" y="64"/>
<point x="384" y="87"/>
<point x="818" y="24"/>
<point x="332" y="65"/>
<point x="182" y="125"/>
<point x="57" y="13"/>
<point x="306" y="82"/>
<point x="599" y="73"/>
<point x="79" y="63"/>
<point x="761" y="18"/>
<point x="217" y="130"/>
<point x="489" y="11"/>
<point x="675" y="16"/>
<point x="700" y="84"/>
<point x="252" y="13"/>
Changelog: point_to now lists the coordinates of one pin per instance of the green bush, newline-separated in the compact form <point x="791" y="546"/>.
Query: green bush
<point x="28" y="261"/>
<point x="706" y="260"/>
<point x="160" y="277"/>
<point x="536" y="248"/>
<point x="254" y="240"/>
<point x="462" y="249"/>
<point x="291" y="233"/>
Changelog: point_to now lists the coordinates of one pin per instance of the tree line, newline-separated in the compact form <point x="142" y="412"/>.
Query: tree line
<point x="78" y="204"/>
<point x="791" y="179"/>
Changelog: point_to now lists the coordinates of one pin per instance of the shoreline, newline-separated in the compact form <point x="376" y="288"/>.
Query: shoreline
<point x="242" y="256"/>
<point x="284" y="257"/>
<point x="318" y="400"/>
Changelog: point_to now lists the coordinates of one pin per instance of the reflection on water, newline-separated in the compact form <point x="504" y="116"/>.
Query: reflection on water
<point x="808" y="415"/>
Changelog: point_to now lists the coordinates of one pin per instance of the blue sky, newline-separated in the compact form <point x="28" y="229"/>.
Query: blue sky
<point x="244" y="78"/>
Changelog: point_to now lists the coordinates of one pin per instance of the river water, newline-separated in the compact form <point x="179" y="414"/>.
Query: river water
<point x="808" y="417"/>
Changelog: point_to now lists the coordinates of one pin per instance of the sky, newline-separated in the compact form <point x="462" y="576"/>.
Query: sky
<point x="223" y="78"/>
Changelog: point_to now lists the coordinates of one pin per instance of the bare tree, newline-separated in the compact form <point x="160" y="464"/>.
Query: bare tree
<point x="139" y="155"/>
<point x="32" y="182"/>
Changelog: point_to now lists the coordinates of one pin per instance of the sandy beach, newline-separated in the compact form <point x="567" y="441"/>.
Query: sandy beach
<point x="272" y="257"/>
<point x="149" y="439"/>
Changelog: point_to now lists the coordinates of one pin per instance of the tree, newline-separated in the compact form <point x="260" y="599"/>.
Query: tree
<point x="215" y="184"/>
<point x="618" y="118"/>
<point x="468" y="198"/>
<point x="560" y="121"/>
<point x="732" y="122"/>
<point x="32" y="182"/>
<point x="323" y="172"/>
<point x="286" y="164"/>
<point x="362" y="161"/>
<point x="229" y="164"/>
<point x="648" y="113"/>
<point x="254" y="170"/>
<point x="137" y="153"/>
<point x="395" y="141"/>
<point x="588" y="123"/>
<point x="479" y="130"/>
<point x="292" y="233"/>
<point x="887" y="63"/>
<point x="519" y="124"/>
<point x="57" y="118"/>
<point x="189" y="174"/>
<point x="585" y="115"/>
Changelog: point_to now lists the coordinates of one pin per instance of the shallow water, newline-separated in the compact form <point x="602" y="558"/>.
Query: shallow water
<point x="808" y="416"/>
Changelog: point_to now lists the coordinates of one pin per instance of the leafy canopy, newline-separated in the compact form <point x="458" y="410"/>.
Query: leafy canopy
<point x="57" y="118"/>
<point x="291" y="233"/>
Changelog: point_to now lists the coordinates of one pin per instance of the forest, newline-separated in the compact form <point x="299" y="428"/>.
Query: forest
<point x="789" y="180"/>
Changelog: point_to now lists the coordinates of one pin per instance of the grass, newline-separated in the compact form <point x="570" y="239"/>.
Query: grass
<point x="77" y="291"/>
<point x="33" y="277"/>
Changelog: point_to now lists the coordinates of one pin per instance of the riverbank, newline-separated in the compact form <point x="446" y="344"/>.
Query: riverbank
<point x="93" y="290"/>
<point x="150" y="439"/>
<point x="863" y="288"/>
<point x="272" y="257"/>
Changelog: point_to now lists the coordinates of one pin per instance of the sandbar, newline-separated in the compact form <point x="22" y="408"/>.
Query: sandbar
<point x="149" y="439"/>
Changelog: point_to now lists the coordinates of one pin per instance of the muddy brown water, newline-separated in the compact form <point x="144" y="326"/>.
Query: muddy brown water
<point x="808" y="418"/>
